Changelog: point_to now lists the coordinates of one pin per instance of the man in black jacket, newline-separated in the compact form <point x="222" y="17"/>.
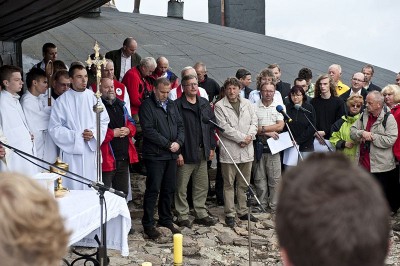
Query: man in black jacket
<point x="210" y="85"/>
<point x="198" y="148"/>
<point x="163" y="136"/>
<point x="368" y="71"/>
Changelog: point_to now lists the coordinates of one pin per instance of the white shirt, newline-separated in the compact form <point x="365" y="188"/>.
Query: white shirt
<point x="126" y="63"/>
<point x="254" y="97"/>
<point x="37" y="114"/>
<point x="18" y="134"/>
<point x="173" y="95"/>
<point x="71" y="114"/>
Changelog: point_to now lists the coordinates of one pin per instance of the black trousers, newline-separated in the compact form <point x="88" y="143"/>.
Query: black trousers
<point x="389" y="182"/>
<point x="160" y="181"/>
<point x="119" y="178"/>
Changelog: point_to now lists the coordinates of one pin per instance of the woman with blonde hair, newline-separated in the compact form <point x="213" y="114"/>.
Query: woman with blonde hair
<point x="340" y="137"/>
<point x="394" y="101"/>
<point x="31" y="227"/>
<point x="391" y="98"/>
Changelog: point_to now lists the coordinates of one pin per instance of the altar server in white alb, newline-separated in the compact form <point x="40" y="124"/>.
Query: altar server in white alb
<point x="37" y="113"/>
<point x="13" y="121"/>
<point x="73" y="127"/>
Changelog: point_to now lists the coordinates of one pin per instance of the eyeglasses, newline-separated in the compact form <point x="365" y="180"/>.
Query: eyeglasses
<point x="355" y="106"/>
<point x="359" y="80"/>
<point x="191" y="84"/>
<point x="296" y="95"/>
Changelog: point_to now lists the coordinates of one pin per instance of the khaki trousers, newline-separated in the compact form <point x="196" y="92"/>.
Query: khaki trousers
<point x="267" y="178"/>
<point x="230" y="174"/>
<point x="199" y="175"/>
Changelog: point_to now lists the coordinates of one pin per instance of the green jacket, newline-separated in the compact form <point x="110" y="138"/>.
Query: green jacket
<point x="341" y="134"/>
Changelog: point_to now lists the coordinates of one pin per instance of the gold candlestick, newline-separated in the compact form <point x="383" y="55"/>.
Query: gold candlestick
<point x="59" y="190"/>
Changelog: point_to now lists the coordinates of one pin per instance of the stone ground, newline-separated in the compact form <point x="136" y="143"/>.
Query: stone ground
<point x="216" y="245"/>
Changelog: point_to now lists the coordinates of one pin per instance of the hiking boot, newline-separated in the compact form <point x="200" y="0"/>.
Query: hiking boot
<point x="245" y="217"/>
<point x="185" y="223"/>
<point x="152" y="232"/>
<point x="206" y="221"/>
<point x="171" y="227"/>
<point x="230" y="221"/>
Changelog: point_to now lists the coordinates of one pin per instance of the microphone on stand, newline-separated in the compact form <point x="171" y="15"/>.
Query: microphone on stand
<point x="300" y="108"/>
<point x="280" y="109"/>
<point x="99" y="186"/>
<point x="82" y="180"/>
<point x="206" y="120"/>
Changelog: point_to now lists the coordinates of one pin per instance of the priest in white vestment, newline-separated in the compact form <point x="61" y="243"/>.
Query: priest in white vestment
<point x="13" y="122"/>
<point x="72" y="127"/>
<point x="37" y="113"/>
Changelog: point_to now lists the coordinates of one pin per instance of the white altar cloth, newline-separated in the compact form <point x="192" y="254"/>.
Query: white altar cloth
<point x="81" y="211"/>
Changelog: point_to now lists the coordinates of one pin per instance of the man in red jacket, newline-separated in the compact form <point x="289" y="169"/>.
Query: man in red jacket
<point x="137" y="83"/>
<point x="139" y="86"/>
<point x="117" y="148"/>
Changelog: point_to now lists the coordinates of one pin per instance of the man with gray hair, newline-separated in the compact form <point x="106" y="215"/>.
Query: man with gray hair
<point x="335" y="71"/>
<point x="177" y="92"/>
<point x="376" y="132"/>
<point x="139" y="87"/>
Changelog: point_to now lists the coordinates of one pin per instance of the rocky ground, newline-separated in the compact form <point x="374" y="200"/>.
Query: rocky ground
<point x="215" y="245"/>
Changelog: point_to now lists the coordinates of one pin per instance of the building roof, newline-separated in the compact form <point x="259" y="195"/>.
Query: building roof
<point x="183" y="42"/>
<point x="21" y="19"/>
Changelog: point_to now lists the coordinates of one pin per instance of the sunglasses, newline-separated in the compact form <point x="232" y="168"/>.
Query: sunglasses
<point x="355" y="105"/>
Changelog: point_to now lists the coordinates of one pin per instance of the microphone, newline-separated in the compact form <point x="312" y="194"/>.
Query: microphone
<point x="206" y="121"/>
<point x="279" y="108"/>
<point x="300" y="108"/>
<point x="99" y="186"/>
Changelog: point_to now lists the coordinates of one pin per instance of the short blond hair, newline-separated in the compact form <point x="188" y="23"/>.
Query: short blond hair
<point x="393" y="89"/>
<point x="355" y="99"/>
<point x="31" y="228"/>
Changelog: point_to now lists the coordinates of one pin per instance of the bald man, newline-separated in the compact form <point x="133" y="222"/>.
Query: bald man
<point x="163" y="71"/>
<point x="357" y="83"/>
<point x="124" y="58"/>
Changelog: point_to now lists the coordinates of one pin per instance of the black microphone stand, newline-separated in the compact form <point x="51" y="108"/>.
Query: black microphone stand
<point x="294" y="141"/>
<point x="316" y="131"/>
<point x="250" y="195"/>
<point x="101" y="255"/>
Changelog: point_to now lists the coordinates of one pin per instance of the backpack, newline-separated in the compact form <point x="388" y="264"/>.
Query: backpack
<point x="387" y="113"/>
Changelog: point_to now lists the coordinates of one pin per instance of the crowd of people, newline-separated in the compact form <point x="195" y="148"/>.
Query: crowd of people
<point x="160" y="124"/>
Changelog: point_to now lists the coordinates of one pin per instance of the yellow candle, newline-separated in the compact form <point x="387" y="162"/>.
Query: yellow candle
<point x="178" y="240"/>
<point x="146" y="264"/>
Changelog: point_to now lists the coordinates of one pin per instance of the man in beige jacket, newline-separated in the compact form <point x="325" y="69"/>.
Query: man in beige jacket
<point x="376" y="138"/>
<point x="237" y="117"/>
